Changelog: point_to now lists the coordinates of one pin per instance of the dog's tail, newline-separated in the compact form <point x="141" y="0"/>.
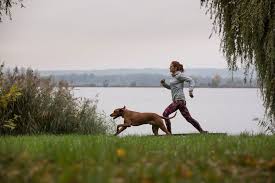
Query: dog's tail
<point x="168" y="117"/>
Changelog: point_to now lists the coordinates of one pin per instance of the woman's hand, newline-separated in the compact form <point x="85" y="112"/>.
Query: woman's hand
<point x="162" y="81"/>
<point x="191" y="94"/>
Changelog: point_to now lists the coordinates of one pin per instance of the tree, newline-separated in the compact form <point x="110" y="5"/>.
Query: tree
<point x="133" y="84"/>
<point x="106" y="83"/>
<point x="247" y="29"/>
<point x="6" y="5"/>
<point x="216" y="80"/>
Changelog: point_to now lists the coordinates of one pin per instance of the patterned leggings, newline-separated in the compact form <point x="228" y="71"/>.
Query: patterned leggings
<point x="181" y="105"/>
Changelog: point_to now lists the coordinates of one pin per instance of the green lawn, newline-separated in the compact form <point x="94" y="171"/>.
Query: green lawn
<point x="82" y="158"/>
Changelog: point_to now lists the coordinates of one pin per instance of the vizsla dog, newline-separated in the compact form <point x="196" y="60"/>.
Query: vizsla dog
<point x="132" y="118"/>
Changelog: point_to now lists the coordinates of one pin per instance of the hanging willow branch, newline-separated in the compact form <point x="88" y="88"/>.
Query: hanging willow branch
<point x="6" y="5"/>
<point x="247" y="29"/>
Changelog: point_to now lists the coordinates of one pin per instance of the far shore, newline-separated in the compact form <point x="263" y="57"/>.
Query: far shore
<point x="87" y="86"/>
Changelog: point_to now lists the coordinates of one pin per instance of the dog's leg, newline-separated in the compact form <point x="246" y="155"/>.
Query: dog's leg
<point x="121" y="129"/>
<point x="117" y="128"/>
<point x="155" y="129"/>
<point x="163" y="128"/>
<point x="125" y="125"/>
<point x="122" y="125"/>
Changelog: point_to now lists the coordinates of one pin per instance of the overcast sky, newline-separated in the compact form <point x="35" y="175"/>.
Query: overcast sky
<point x="102" y="34"/>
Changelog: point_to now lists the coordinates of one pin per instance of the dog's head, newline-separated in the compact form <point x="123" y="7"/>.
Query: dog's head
<point x="118" y="112"/>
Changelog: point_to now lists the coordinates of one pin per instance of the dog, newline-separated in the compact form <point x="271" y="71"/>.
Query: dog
<point x="132" y="118"/>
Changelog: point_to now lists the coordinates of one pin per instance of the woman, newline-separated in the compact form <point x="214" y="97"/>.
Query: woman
<point x="176" y="87"/>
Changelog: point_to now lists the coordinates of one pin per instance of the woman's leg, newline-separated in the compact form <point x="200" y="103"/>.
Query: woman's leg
<point x="169" y="110"/>
<point x="184" y="111"/>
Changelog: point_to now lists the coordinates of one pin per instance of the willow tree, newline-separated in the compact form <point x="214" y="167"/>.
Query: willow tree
<point x="246" y="29"/>
<point x="6" y="5"/>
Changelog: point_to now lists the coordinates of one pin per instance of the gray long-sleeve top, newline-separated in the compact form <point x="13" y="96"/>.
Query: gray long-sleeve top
<point x="177" y="84"/>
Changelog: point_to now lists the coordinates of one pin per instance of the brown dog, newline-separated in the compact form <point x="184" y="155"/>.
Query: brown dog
<point x="132" y="118"/>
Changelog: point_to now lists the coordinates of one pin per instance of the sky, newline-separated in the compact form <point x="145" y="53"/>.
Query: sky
<point x="105" y="34"/>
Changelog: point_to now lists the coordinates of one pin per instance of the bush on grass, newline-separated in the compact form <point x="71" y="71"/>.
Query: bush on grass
<point x="30" y="104"/>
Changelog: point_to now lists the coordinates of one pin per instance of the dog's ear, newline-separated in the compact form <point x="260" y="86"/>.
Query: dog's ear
<point x="122" y="109"/>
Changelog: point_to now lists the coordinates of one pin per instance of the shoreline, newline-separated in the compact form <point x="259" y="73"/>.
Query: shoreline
<point x="83" y="86"/>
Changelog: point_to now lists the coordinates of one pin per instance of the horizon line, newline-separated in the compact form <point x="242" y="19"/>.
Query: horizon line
<point x="145" y="68"/>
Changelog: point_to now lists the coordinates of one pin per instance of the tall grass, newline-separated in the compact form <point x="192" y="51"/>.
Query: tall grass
<point x="48" y="107"/>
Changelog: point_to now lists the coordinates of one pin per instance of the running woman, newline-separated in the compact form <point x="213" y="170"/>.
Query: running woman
<point x="176" y="86"/>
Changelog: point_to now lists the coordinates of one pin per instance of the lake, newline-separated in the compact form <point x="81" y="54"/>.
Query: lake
<point x="229" y="110"/>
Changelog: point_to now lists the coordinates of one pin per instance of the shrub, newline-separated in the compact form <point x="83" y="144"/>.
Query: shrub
<point x="44" y="106"/>
<point x="7" y="96"/>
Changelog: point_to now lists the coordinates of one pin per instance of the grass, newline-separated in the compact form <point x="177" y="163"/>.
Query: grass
<point x="84" y="158"/>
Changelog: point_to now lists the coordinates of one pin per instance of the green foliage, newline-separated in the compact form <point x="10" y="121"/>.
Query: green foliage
<point x="247" y="31"/>
<point x="7" y="97"/>
<point x="268" y="125"/>
<point x="47" y="107"/>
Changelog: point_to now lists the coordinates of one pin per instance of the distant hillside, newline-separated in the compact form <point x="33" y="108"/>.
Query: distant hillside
<point x="147" y="77"/>
<point x="201" y="72"/>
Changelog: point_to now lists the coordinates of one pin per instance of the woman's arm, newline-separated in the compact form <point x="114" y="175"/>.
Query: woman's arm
<point x="181" y="77"/>
<point x="165" y="85"/>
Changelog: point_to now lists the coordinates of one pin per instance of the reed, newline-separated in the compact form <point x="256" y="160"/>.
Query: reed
<point x="45" y="106"/>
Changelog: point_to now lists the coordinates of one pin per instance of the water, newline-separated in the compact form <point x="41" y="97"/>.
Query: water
<point x="218" y="110"/>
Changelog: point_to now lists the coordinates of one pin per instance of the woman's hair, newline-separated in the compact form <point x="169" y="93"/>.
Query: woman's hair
<point x="178" y="65"/>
